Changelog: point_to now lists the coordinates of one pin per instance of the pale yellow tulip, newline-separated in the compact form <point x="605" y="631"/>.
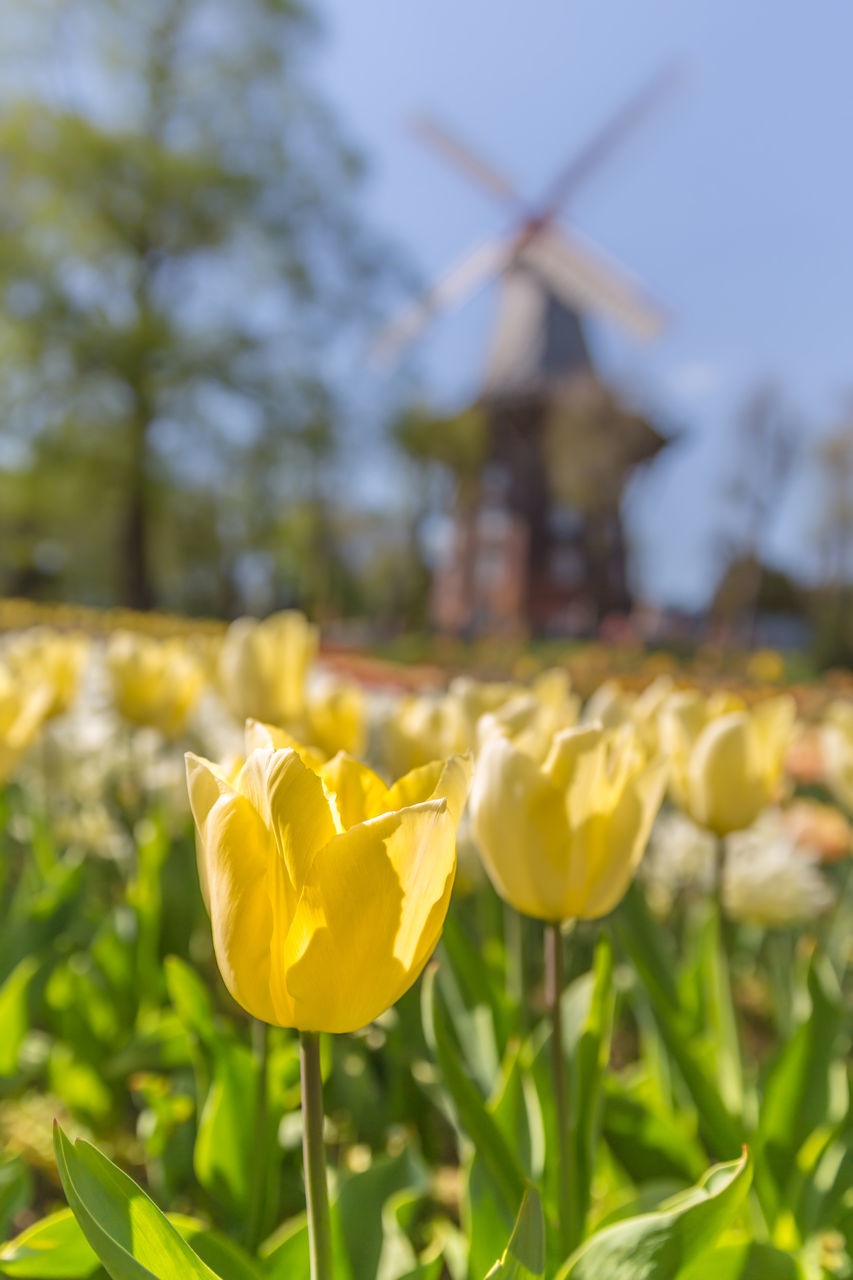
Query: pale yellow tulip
<point x="154" y="682"/>
<point x="562" y="839"/>
<point x="728" y="768"/>
<point x="263" y="666"/>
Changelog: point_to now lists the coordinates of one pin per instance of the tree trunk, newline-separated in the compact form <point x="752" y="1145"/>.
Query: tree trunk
<point x="136" y="590"/>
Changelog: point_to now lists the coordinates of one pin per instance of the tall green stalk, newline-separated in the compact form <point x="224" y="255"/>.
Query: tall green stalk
<point x="554" y="981"/>
<point x="314" y="1157"/>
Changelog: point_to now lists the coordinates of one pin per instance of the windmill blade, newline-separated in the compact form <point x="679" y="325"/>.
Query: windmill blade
<point x="613" y="132"/>
<point x="460" y="154"/>
<point x="585" y="280"/>
<point x="461" y="280"/>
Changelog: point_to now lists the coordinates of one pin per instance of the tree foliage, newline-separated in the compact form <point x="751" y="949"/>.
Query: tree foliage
<point x="180" y="261"/>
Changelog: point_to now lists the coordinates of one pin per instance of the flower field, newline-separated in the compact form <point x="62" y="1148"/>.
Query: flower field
<point x="313" y="965"/>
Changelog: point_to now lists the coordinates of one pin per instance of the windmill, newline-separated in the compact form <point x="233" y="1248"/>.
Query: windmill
<point x="520" y="554"/>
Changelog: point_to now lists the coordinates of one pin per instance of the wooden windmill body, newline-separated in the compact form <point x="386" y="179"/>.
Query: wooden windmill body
<point x="537" y="542"/>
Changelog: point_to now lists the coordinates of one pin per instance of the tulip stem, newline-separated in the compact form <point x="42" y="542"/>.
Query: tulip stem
<point x="255" y="1215"/>
<point x="314" y="1157"/>
<point x="553" y="992"/>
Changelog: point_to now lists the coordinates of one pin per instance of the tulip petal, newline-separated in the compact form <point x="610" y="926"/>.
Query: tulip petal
<point x="359" y="792"/>
<point x="294" y="806"/>
<point x="369" y="917"/>
<point x="261" y="736"/>
<point x="520" y="823"/>
<point x="573" y="760"/>
<point x="618" y="842"/>
<point x="441" y="779"/>
<point x="234" y="866"/>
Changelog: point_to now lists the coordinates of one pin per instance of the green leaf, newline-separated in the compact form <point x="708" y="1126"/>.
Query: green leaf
<point x="798" y="1096"/>
<point x="285" y="1252"/>
<point x="222" y="1156"/>
<point x="587" y="1069"/>
<point x="656" y="1246"/>
<point x="361" y="1203"/>
<point x="722" y="1132"/>
<point x="714" y="962"/>
<point x="486" y="1219"/>
<point x="748" y="1261"/>
<point x="14" y="1014"/>
<point x="524" y="1256"/>
<point x="133" y="1239"/>
<point x="476" y="981"/>
<point x="649" y="1141"/>
<point x="474" y="1118"/>
<point x="191" y="999"/>
<point x="222" y="1255"/>
<point x="53" y="1248"/>
<point x="517" y="1111"/>
<point x="16" y="1189"/>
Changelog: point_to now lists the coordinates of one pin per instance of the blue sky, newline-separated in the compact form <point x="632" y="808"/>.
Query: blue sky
<point x="733" y="203"/>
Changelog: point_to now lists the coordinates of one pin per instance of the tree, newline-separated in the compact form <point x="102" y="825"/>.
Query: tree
<point x="766" y="442"/>
<point x="178" y="260"/>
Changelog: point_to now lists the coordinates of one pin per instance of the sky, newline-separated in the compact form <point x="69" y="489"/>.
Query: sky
<point x="732" y="203"/>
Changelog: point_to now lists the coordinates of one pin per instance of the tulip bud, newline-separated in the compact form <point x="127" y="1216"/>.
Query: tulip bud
<point x="562" y="839"/>
<point x="736" y="764"/>
<point x="263" y="666"/>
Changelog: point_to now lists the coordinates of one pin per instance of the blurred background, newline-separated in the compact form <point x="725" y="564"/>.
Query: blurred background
<point x="463" y="320"/>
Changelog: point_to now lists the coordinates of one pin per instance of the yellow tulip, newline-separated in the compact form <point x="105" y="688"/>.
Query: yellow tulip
<point x="54" y="658"/>
<point x="23" y="709"/>
<point x="425" y="727"/>
<point x="530" y="722"/>
<point x="335" y="717"/>
<point x="611" y="706"/>
<point x="263" y="665"/>
<point x="682" y="718"/>
<point x="481" y="697"/>
<point x="735" y="765"/>
<point x="562" y="839"/>
<point x="154" y="682"/>
<point x="327" y="890"/>
<point x="271" y="737"/>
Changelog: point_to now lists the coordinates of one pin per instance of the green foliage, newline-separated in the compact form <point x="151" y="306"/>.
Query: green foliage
<point x="524" y="1256"/>
<point x="657" y="1246"/>
<point x="127" y="1231"/>
<point x="170" y="270"/>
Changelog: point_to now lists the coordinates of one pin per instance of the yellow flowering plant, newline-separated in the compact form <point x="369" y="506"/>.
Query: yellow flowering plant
<point x="561" y="829"/>
<point x="727" y="762"/>
<point x="263" y="666"/>
<point x="327" y="891"/>
<point x="326" y="888"/>
<point x="52" y="658"/>
<point x="24" y="707"/>
<point x="562" y="838"/>
<point x="154" y="682"/>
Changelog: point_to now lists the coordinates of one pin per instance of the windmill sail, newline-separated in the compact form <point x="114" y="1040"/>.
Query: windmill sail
<point x="586" y="280"/>
<point x="462" y="279"/>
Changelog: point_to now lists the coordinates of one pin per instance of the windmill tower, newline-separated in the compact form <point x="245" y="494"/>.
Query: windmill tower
<point x="540" y="543"/>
